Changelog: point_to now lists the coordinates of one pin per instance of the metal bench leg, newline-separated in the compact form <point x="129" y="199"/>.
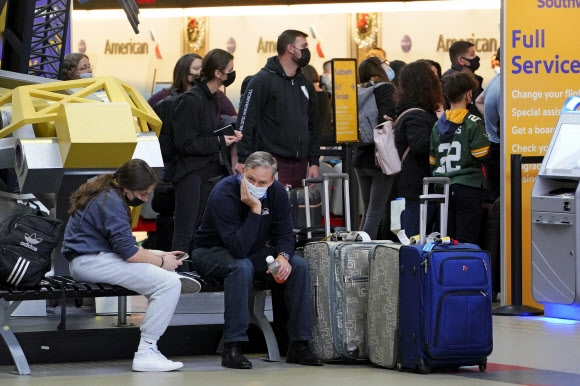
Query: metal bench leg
<point x="122" y="311"/>
<point x="257" y="317"/>
<point x="257" y="305"/>
<point x="20" y="363"/>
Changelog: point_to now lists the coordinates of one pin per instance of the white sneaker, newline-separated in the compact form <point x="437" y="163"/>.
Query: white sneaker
<point x="189" y="285"/>
<point x="153" y="360"/>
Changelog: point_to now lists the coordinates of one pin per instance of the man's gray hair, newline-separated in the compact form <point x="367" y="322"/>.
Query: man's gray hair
<point x="262" y="159"/>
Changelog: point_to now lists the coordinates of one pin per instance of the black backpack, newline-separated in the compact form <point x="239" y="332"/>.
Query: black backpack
<point x="164" y="109"/>
<point x="27" y="239"/>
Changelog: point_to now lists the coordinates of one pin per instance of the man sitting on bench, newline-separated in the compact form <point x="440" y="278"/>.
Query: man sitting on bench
<point x="100" y="246"/>
<point x="246" y="219"/>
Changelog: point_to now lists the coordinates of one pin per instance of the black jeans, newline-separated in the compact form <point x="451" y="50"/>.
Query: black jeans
<point x="465" y="213"/>
<point x="191" y="194"/>
<point x="239" y="275"/>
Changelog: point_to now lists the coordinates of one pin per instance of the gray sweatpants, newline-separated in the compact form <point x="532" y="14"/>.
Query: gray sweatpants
<point x="161" y="288"/>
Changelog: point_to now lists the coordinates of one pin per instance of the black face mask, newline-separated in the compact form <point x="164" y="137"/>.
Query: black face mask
<point x="135" y="201"/>
<point x="231" y="78"/>
<point x="304" y="59"/>
<point x="473" y="63"/>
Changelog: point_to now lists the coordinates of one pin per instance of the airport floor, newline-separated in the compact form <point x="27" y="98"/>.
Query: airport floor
<point x="527" y="351"/>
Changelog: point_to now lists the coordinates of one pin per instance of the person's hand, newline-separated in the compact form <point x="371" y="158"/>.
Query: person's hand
<point x="239" y="169"/>
<point x="285" y="268"/>
<point x="239" y="135"/>
<point x="245" y="196"/>
<point x="170" y="263"/>
<point x="230" y="139"/>
<point x="312" y="173"/>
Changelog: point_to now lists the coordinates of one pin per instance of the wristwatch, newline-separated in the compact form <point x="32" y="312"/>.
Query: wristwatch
<point x="284" y="255"/>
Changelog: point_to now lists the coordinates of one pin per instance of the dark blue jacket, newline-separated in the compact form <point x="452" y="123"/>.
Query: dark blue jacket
<point x="103" y="226"/>
<point x="228" y="223"/>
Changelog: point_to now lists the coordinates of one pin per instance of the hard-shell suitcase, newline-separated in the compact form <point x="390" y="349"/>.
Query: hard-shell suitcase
<point x="297" y="202"/>
<point x="338" y="292"/>
<point x="445" y="313"/>
<point x="383" y="304"/>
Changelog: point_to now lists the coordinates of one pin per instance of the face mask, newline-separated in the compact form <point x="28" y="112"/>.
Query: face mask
<point x="86" y="75"/>
<point x="256" y="191"/>
<point x="497" y="70"/>
<point x="135" y="201"/>
<point x="326" y="82"/>
<point x="389" y="71"/>
<point x="473" y="63"/>
<point x="304" y="59"/>
<point x="231" y="78"/>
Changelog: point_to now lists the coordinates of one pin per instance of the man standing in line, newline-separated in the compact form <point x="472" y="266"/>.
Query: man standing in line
<point x="463" y="56"/>
<point x="279" y="113"/>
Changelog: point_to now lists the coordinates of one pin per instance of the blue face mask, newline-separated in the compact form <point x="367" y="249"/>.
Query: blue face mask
<point x="86" y="75"/>
<point x="388" y="70"/>
<point x="256" y="191"/>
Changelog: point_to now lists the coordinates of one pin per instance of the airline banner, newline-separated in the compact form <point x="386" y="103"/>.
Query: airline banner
<point x="540" y="70"/>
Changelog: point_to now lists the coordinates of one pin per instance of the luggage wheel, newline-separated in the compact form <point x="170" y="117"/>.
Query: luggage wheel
<point x="482" y="366"/>
<point x="424" y="369"/>
<point x="400" y="367"/>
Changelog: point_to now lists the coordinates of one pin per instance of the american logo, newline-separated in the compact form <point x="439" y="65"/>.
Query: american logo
<point x="31" y="241"/>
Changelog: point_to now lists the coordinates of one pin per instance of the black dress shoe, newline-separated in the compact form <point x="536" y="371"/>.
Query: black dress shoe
<point x="233" y="358"/>
<point x="299" y="352"/>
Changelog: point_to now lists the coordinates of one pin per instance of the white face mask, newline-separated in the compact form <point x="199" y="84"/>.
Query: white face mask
<point x="256" y="191"/>
<point x="85" y="75"/>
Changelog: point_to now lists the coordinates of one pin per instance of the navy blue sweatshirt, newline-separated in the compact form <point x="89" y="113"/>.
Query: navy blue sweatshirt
<point x="103" y="226"/>
<point x="228" y="223"/>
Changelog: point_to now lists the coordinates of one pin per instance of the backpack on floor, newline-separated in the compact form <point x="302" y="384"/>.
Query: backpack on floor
<point x="27" y="239"/>
<point x="368" y="112"/>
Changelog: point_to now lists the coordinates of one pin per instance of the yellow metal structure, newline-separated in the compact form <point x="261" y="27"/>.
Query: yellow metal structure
<point x="26" y="109"/>
<point x="95" y="135"/>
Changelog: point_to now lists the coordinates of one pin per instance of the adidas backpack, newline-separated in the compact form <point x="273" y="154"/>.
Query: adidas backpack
<point x="27" y="239"/>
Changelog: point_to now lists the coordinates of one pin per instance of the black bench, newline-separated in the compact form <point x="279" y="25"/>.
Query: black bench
<point x="63" y="288"/>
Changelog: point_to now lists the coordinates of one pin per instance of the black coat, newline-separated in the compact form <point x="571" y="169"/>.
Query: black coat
<point x="195" y="118"/>
<point x="414" y="131"/>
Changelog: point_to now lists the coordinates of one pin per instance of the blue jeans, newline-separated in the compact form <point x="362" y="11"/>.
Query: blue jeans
<point x="239" y="275"/>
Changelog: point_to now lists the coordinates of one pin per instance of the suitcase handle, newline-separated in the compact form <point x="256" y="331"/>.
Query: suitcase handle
<point x="442" y="199"/>
<point x="326" y="177"/>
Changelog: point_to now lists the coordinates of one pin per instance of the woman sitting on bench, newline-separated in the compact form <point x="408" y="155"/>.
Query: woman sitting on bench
<point x="100" y="246"/>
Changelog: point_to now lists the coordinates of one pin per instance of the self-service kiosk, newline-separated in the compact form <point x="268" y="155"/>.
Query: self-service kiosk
<point x="556" y="220"/>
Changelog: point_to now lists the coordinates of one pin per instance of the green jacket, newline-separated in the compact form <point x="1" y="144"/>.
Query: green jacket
<point x="459" y="143"/>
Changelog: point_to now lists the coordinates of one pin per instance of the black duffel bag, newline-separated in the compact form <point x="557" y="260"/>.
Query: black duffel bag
<point x="27" y="238"/>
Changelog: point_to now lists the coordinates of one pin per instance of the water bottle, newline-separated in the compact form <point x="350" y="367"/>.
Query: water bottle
<point x="273" y="267"/>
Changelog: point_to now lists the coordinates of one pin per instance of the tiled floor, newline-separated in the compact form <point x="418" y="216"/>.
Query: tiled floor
<point x="527" y="351"/>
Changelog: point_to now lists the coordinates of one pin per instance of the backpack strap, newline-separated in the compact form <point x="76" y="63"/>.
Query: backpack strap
<point x="406" y="153"/>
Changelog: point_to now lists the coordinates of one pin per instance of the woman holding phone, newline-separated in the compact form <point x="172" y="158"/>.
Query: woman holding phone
<point x="100" y="246"/>
<point x="202" y="156"/>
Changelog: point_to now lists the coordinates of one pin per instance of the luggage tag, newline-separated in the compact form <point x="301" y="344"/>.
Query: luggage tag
<point x="403" y="237"/>
<point x="428" y="247"/>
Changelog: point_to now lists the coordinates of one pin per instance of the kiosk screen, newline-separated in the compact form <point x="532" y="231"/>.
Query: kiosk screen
<point x="564" y="157"/>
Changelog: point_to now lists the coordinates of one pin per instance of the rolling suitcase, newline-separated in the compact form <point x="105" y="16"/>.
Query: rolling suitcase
<point x="383" y="304"/>
<point x="445" y="313"/>
<point x="338" y="291"/>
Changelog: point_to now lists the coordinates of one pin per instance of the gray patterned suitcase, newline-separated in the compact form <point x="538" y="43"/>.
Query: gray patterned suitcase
<point x="383" y="304"/>
<point x="338" y="293"/>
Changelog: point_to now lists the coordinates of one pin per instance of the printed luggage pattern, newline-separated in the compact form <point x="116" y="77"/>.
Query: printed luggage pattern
<point x="339" y="281"/>
<point x="383" y="304"/>
<point x="450" y="324"/>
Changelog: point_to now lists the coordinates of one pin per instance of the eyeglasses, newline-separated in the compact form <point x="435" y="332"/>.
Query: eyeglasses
<point x="85" y="68"/>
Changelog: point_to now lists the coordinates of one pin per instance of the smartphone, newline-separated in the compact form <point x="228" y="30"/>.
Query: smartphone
<point x="181" y="256"/>
<point x="226" y="130"/>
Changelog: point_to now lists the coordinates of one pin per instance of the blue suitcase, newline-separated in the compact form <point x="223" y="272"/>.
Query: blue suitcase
<point x="445" y="313"/>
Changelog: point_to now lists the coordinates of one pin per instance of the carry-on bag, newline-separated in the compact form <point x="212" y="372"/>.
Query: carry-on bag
<point x="445" y="314"/>
<point x="383" y="304"/>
